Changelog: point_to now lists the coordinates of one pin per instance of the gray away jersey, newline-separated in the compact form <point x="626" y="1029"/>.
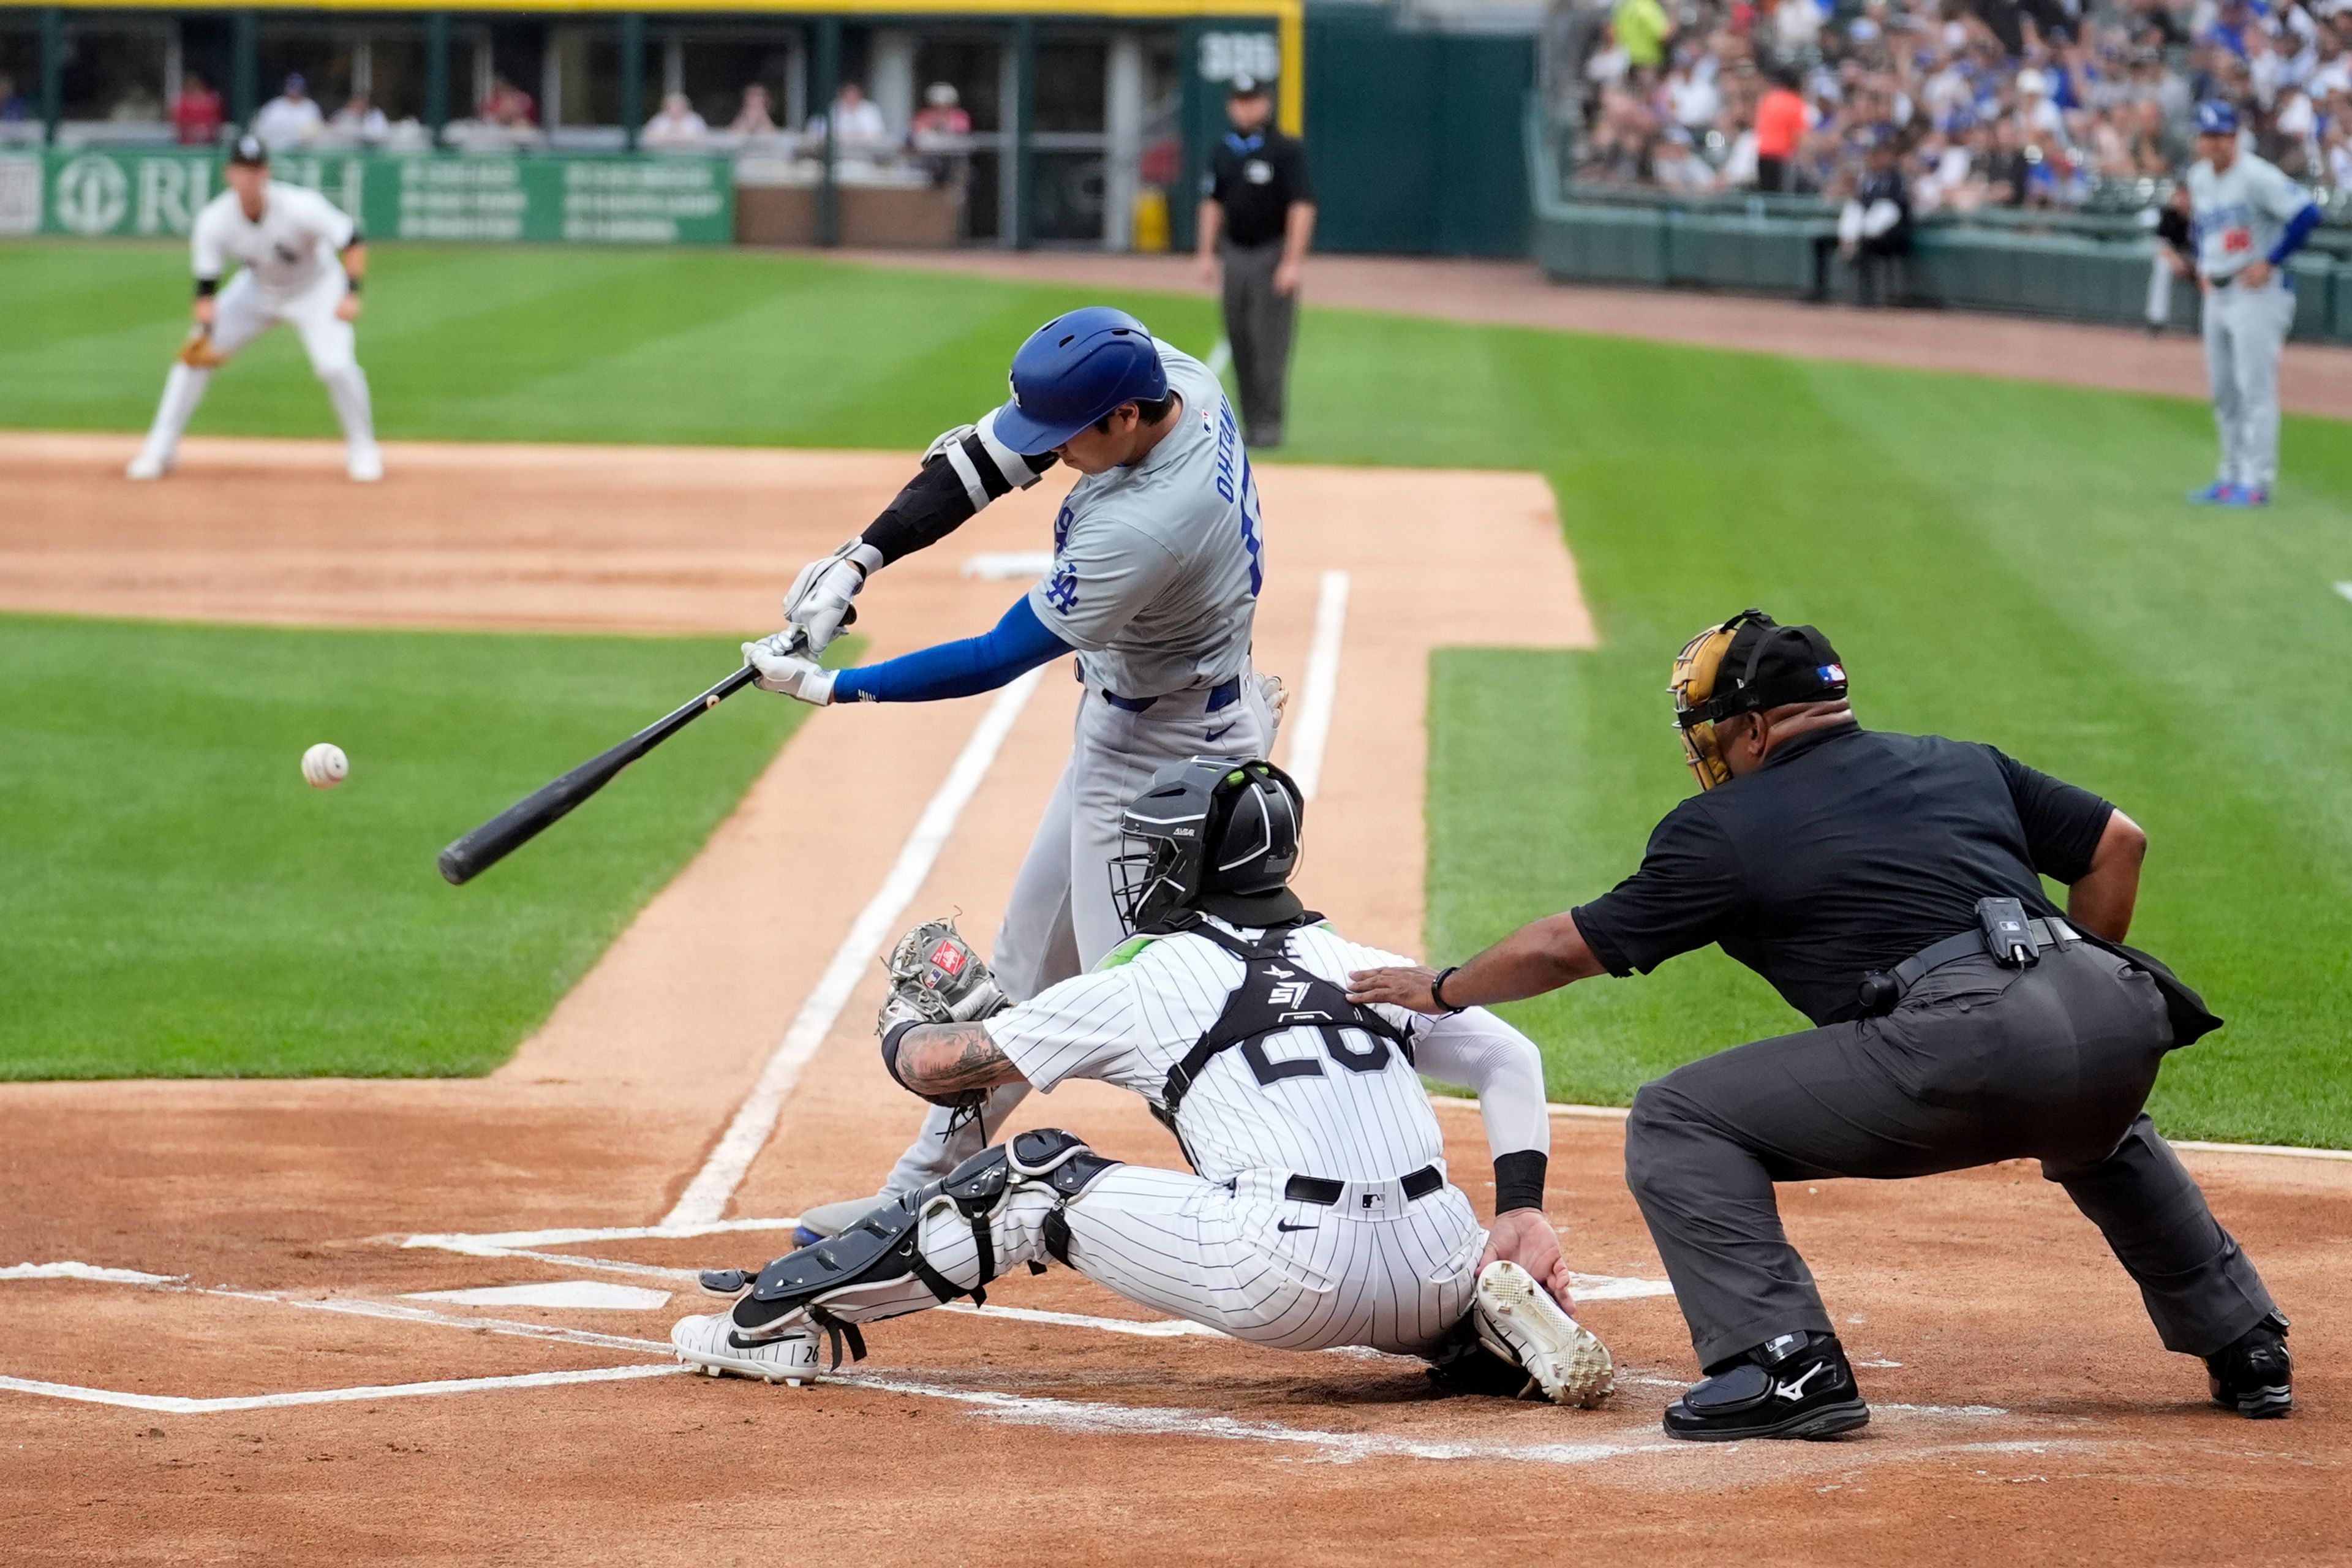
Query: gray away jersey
<point x="2241" y="215"/>
<point x="1128" y="1022"/>
<point x="1157" y="566"/>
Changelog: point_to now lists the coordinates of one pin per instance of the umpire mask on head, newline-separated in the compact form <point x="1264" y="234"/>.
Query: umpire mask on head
<point x="1218" y="835"/>
<point x="1747" y="664"/>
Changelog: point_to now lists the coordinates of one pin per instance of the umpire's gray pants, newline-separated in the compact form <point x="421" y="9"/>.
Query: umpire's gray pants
<point x="1258" y="324"/>
<point x="1978" y="1064"/>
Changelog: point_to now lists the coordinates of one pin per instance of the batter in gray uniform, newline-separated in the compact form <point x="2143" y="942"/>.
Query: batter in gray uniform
<point x="1159" y="555"/>
<point x="2248" y="218"/>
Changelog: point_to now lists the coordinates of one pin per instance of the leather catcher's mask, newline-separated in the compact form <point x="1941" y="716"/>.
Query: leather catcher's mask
<point x="1747" y="664"/>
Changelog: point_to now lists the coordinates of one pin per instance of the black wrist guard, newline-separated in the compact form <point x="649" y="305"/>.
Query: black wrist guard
<point x="351" y="282"/>
<point x="208" y="287"/>
<point x="1520" y="1180"/>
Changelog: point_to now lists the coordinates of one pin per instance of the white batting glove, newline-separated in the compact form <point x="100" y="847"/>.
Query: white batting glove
<point x="784" y="667"/>
<point x="819" y="603"/>
<point x="1278" y="699"/>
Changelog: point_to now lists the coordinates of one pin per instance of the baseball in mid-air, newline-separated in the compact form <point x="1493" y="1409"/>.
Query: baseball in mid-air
<point x="325" y="766"/>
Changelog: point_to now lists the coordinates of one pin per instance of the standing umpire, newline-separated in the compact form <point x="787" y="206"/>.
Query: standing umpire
<point x="1256" y="199"/>
<point x="1889" y="887"/>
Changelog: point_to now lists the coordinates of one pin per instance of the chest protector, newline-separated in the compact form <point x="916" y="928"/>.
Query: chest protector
<point x="1276" y="995"/>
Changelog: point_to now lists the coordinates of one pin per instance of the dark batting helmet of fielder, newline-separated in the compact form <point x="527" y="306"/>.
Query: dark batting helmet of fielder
<point x="1214" y="835"/>
<point x="1072" y="371"/>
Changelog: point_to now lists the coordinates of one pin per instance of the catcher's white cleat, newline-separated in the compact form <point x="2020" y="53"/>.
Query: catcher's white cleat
<point x="364" y="464"/>
<point x="711" y="1345"/>
<point x="1519" y="1319"/>
<point x="147" y="465"/>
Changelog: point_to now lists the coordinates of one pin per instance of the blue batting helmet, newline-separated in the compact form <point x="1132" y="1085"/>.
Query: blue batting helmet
<point x="1074" y="370"/>
<point x="2215" y="117"/>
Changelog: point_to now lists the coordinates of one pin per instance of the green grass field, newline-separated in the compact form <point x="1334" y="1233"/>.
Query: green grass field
<point x="2002" y="560"/>
<point x="180" y="902"/>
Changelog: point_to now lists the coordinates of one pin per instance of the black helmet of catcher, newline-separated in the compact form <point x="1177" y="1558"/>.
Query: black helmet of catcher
<point x="1214" y="836"/>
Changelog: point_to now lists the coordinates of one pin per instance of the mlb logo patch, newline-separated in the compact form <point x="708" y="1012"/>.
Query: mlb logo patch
<point x="947" y="958"/>
<point x="1371" y="1201"/>
<point x="1832" y="673"/>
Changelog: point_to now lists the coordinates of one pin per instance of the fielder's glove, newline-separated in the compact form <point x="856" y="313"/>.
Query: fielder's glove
<point x="935" y="977"/>
<point x="198" y="352"/>
<point x="781" y="658"/>
<point x="819" y="603"/>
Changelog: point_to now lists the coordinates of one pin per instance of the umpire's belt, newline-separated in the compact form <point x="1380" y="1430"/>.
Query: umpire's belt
<point x="1882" y="991"/>
<point x="1223" y="695"/>
<point x="1364" y="1197"/>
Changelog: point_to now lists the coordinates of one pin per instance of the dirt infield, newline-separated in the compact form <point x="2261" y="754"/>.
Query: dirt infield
<point x="242" y="1369"/>
<point x="2314" y="378"/>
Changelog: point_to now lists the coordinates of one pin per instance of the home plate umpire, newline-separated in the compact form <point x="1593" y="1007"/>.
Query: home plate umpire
<point x="1889" y="887"/>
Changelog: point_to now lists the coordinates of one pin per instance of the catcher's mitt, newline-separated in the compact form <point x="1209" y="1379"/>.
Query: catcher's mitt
<point x="199" y="353"/>
<point x="935" y="977"/>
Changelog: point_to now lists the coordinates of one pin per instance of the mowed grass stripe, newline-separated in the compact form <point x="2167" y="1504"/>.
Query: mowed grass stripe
<point x="1998" y="560"/>
<point x="180" y="902"/>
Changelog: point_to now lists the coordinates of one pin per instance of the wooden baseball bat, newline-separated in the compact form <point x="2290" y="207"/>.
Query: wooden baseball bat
<point x="518" y="824"/>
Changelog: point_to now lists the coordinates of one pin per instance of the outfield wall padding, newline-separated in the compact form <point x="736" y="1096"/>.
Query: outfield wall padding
<point x="1958" y="265"/>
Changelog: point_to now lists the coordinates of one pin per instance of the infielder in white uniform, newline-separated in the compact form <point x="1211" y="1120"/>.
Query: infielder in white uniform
<point x="2248" y="218"/>
<point x="1317" y="1212"/>
<point x="1159" y="553"/>
<point x="302" y="259"/>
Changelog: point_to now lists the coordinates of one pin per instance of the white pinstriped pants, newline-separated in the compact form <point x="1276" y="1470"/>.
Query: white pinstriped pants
<point x="1385" y="1273"/>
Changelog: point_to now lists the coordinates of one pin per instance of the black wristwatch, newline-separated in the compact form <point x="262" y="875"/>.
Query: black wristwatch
<point x="1437" y="990"/>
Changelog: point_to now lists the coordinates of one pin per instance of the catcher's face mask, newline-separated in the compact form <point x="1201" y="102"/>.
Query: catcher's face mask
<point x="1203" y="826"/>
<point x="1702" y="697"/>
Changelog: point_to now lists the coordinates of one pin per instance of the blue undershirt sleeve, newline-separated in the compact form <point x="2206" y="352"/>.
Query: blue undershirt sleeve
<point x="2298" y="229"/>
<point x="1020" y="643"/>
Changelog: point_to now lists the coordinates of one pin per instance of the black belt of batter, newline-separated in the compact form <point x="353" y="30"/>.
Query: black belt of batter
<point x="1316" y="1190"/>
<point x="1225" y="694"/>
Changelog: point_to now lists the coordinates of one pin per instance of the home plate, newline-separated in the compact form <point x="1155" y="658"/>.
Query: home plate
<point x="594" y="1294"/>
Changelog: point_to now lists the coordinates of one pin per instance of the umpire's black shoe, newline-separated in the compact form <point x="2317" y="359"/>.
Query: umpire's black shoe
<point x="2254" y="1374"/>
<point x="1798" y="1385"/>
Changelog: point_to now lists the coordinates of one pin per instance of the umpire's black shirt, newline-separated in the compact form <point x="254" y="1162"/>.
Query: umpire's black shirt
<point x="1255" y="178"/>
<point x="1848" y="851"/>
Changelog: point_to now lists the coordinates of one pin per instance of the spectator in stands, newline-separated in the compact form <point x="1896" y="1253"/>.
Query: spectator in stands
<point x="1643" y="29"/>
<point x="1781" y="121"/>
<point x="753" y="118"/>
<point x="943" y="114"/>
<point x="674" y="127"/>
<point x="856" y="121"/>
<point x="360" y="121"/>
<point x="508" y="106"/>
<point x="289" y="120"/>
<point x="195" y="113"/>
<point x="14" y="110"/>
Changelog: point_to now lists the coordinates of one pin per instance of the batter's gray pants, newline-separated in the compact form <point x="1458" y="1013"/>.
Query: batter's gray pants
<point x="1061" y="920"/>
<point x="1258" y="324"/>
<point x="2244" y="330"/>
<point x="1978" y="1064"/>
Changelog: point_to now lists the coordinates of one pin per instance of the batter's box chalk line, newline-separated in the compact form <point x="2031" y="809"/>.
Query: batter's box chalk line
<point x="1093" y="1417"/>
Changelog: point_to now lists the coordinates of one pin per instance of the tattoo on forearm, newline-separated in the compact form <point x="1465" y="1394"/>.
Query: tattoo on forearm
<point x="943" y="1058"/>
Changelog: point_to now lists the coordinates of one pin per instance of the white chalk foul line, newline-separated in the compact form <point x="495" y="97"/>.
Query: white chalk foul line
<point x="175" y="1405"/>
<point x="86" y="1271"/>
<point x="706" y="1197"/>
<point x="1313" y="733"/>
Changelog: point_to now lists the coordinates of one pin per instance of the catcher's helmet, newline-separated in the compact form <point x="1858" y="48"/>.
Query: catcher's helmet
<point x="1215" y="835"/>
<point x="1747" y="664"/>
<point x="1072" y="371"/>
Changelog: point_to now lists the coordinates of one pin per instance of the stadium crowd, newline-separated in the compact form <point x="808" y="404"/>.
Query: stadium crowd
<point x="1982" y="102"/>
